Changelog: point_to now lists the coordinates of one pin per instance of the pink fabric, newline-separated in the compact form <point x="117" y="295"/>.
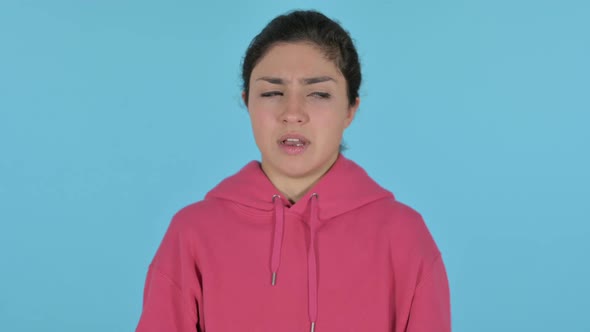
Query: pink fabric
<point x="347" y="257"/>
<point x="278" y="236"/>
<point x="312" y="278"/>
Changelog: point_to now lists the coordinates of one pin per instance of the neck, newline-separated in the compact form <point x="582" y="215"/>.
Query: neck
<point x="294" y="188"/>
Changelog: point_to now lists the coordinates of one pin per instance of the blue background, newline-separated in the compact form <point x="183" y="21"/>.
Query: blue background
<point x="115" y="114"/>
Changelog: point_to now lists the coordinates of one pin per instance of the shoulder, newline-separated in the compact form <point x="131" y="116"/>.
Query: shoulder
<point x="196" y="215"/>
<point x="396" y="213"/>
<point x="406" y="228"/>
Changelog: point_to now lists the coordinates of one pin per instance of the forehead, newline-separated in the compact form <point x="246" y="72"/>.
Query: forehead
<point x="295" y="60"/>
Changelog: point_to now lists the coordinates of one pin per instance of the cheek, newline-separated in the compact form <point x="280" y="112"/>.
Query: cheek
<point x="261" y="123"/>
<point x="331" y="124"/>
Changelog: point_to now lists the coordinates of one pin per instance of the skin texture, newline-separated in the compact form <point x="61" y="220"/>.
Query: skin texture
<point x="294" y="88"/>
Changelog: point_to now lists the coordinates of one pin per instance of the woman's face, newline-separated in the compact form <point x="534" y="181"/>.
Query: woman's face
<point x="299" y="108"/>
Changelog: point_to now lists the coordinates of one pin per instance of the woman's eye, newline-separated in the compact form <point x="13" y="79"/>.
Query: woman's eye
<point x="322" y="95"/>
<point x="271" y="94"/>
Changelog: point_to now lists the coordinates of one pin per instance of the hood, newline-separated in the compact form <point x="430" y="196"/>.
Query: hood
<point x="345" y="187"/>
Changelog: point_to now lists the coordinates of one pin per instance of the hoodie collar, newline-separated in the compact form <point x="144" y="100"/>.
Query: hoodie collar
<point x="345" y="187"/>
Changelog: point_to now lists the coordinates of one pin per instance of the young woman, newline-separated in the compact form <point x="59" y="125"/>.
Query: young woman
<point x="304" y="240"/>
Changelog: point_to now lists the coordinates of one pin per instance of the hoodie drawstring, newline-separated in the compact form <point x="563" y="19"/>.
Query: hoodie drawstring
<point x="312" y="276"/>
<point x="312" y="267"/>
<point x="278" y="237"/>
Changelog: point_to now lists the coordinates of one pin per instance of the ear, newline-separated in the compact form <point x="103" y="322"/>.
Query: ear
<point x="352" y="111"/>
<point x="244" y="98"/>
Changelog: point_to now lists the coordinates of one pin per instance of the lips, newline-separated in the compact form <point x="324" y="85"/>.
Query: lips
<point x="293" y="144"/>
<point x="294" y="140"/>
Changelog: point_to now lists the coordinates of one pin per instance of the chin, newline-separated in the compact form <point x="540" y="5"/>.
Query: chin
<point x="294" y="171"/>
<point x="294" y="167"/>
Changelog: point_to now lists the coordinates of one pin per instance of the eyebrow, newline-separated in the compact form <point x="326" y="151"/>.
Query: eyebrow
<point x="306" y="81"/>
<point x="320" y="79"/>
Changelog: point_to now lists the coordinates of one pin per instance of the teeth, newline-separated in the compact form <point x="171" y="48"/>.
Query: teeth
<point x="293" y="141"/>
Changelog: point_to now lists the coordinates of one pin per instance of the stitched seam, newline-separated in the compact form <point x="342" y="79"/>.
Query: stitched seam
<point x="168" y="278"/>
<point x="428" y="273"/>
<point x="176" y="286"/>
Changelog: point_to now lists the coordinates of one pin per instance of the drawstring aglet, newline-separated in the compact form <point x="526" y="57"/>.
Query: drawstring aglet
<point x="312" y="326"/>
<point x="274" y="278"/>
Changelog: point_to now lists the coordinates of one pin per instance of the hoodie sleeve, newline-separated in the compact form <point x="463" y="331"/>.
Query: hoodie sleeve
<point x="172" y="291"/>
<point x="431" y="309"/>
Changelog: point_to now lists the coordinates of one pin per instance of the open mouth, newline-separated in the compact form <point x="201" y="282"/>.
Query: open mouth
<point x="294" y="139"/>
<point x="293" y="144"/>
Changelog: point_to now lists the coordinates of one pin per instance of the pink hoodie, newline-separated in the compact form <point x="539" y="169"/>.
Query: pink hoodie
<point x="346" y="257"/>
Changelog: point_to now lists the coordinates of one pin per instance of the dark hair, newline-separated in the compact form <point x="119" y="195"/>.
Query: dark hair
<point x="307" y="26"/>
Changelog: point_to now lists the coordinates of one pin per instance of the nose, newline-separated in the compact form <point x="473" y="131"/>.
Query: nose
<point x="294" y="111"/>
